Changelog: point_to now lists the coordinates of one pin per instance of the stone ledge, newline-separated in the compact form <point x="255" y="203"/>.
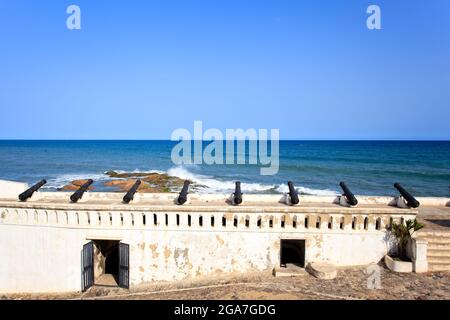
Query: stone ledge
<point x="144" y="205"/>
<point x="322" y="270"/>
<point x="290" y="271"/>
<point x="398" y="266"/>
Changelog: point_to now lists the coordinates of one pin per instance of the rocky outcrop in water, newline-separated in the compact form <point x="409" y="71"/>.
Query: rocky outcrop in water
<point x="152" y="182"/>
<point x="75" y="185"/>
<point x="125" y="185"/>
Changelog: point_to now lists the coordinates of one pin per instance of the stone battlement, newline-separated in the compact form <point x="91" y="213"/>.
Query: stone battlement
<point x="208" y="212"/>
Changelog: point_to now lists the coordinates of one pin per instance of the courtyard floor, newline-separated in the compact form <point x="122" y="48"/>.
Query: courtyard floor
<point x="350" y="284"/>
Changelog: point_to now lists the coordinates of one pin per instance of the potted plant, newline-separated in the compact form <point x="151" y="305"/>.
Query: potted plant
<point x="403" y="233"/>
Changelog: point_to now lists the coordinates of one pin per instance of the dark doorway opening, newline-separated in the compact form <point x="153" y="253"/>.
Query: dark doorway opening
<point x="292" y="252"/>
<point x="112" y="261"/>
<point x="106" y="262"/>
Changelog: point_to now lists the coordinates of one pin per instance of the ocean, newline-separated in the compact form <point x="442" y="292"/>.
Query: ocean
<point x="316" y="167"/>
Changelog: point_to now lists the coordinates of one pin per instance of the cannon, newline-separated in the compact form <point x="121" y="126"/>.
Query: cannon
<point x="410" y="200"/>
<point x="79" y="193"/>
<point x="129" y="196"/>
<point x="293" y="193"/>
<point x="182" y="198"/>
<point x="237" y="195"/>
<point x="349" y="196"/>
<point x="28" y="193"/>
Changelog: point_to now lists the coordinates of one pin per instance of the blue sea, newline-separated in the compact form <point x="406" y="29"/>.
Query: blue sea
<point x="316" y="167"/>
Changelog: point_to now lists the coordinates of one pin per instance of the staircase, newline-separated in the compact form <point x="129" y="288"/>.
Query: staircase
<point x="438" y="249"/>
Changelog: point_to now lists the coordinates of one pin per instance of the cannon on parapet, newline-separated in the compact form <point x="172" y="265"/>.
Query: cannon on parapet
<point x="410" y="200"/>
<point x="129" y="196"/>
<point x="28" y="193"/>
<point x="237" y="195"/>
<point x="182" y="198"/>
<point x="293" y="194"/>
<point x="349" y="196"/>
<point x="79" y="193"/>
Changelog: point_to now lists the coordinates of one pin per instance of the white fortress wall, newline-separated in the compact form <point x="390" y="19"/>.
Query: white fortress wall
<point x="48" y="259"/>
<point x="11" y="189"/>
<point x="41" y="242"/>
<point x="40" y="259"/>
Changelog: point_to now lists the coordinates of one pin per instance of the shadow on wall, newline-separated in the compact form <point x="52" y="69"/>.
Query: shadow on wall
<point x="440" y="222"/>
<point x="391" y="242"/>
<point x="106" y="258"/>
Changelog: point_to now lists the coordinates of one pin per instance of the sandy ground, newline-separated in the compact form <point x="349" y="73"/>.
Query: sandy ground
<point x="350" y="284"/>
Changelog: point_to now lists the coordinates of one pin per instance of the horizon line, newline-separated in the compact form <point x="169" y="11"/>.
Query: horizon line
<point x="362" y="140"/>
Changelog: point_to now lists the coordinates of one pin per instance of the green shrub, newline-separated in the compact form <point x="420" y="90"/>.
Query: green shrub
<point x="403" y="232"/>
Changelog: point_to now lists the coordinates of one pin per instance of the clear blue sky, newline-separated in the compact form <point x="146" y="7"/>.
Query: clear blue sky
<point x="140" y="69"/>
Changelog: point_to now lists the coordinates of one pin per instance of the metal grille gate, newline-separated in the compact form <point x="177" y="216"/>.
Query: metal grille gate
<point x="87" y="276"/>
<point x="124" y="265"/>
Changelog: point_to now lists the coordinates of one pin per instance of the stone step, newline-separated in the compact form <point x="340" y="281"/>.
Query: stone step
<point x="438" y="240"/>
<point x="438" y="246"/>
<point x="431" y="234"/>
<point x="322" y="270"/>
<point x="438" y="252"/>
<point x="439" y="234"/>
<point x="432" y="238"/>
<point x="438" y="260"/>
<point x="290" y="271"/>
<point x="439" y="267"/>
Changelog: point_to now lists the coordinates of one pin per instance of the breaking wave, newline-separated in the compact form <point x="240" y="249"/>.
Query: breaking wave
<point x="62" y="180"/>
<point x="283" y="188"/>
<point x="138" y="171"/>
<point x="204" y="183"/>
<point x="211" y="185"/>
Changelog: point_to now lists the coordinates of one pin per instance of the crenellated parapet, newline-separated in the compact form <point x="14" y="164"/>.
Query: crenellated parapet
<point x="209" y="213"/>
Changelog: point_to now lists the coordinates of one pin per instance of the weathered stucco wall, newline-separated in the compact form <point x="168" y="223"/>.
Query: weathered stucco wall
<point x="175" y="256"/>
<point x="11" y="189"/>
<point x="41" y="243"/>
<point x="48" y="259"/>
<point x="40" y="259"/>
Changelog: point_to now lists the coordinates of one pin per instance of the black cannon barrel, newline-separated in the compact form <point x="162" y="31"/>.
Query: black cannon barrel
<point x="182" y="198"/>
<point x="293" y="193"/>
<point x="130" y="194"/>
<point x="238" y="193"/>
<point x="28" y="193"/>
<point x="410" y="200"/>
<point x="79" y="193"/>
<point x="351" y="199"/>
